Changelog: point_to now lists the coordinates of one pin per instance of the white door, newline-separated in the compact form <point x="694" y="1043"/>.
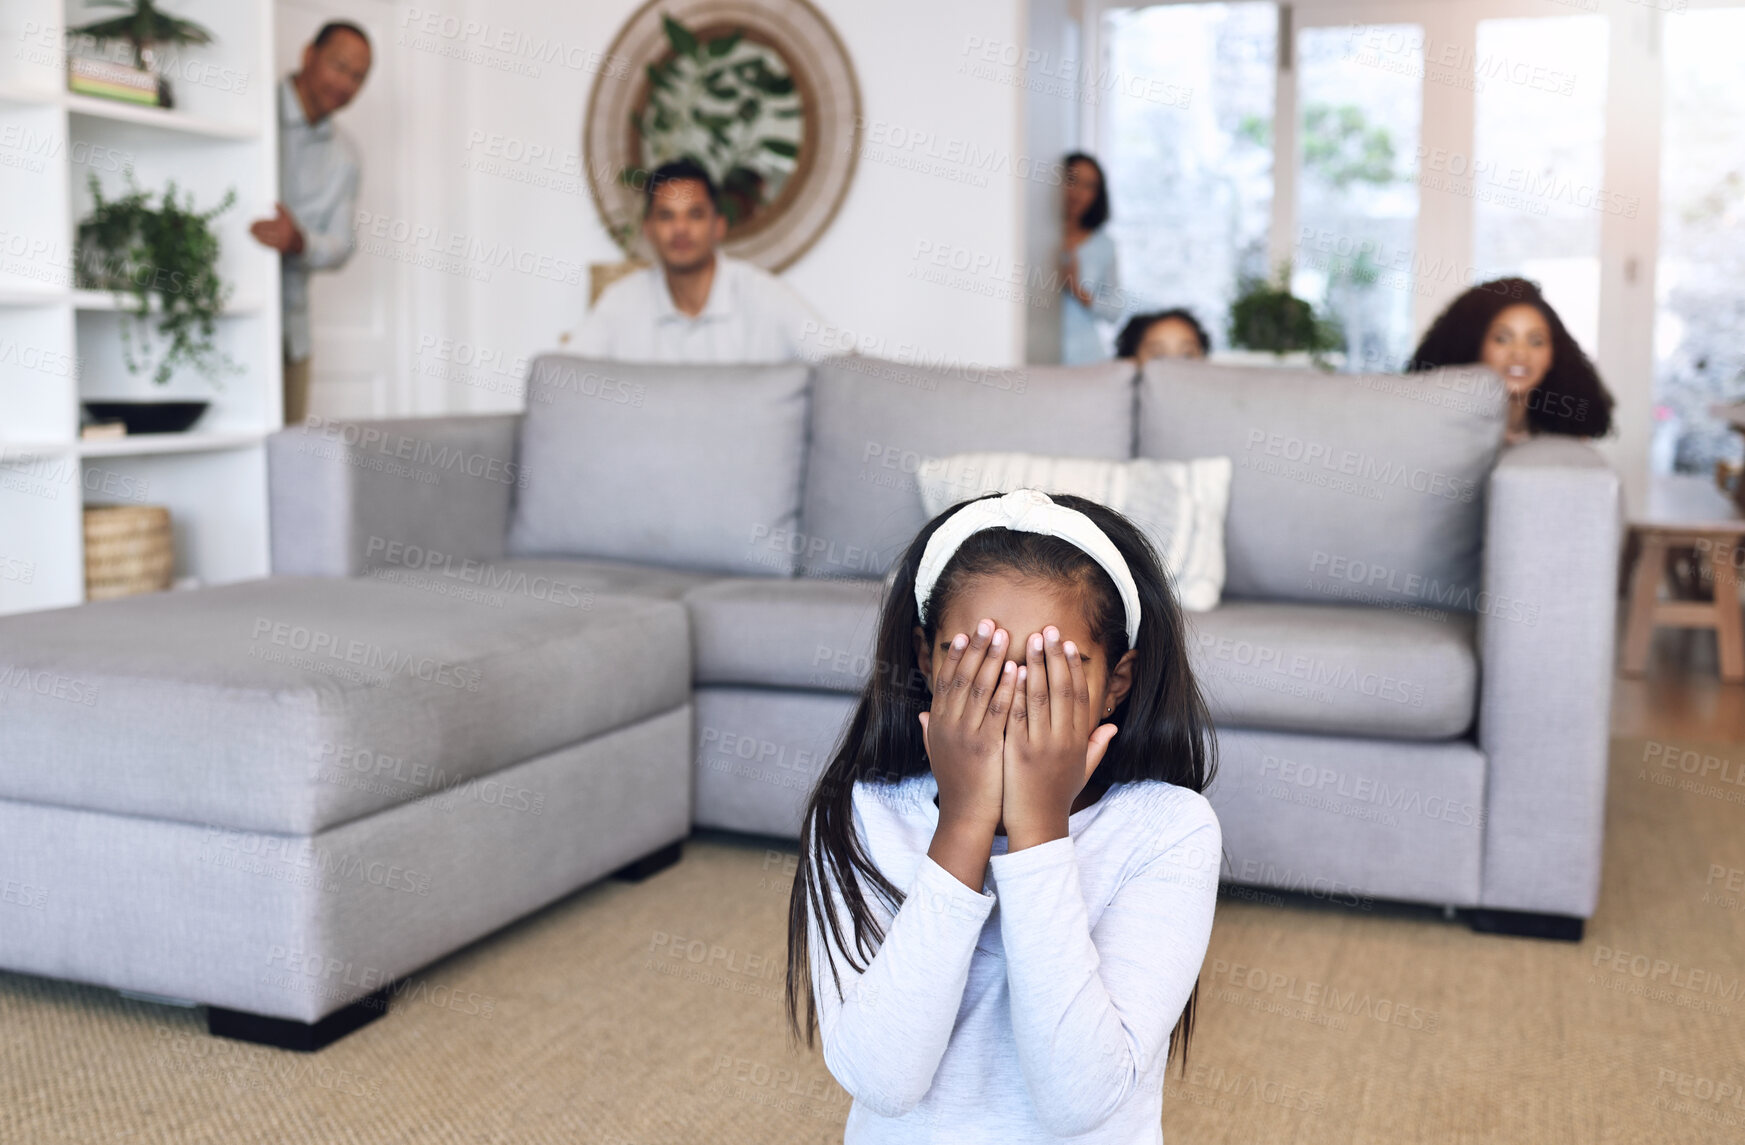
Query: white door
<point x="357" y="365"/>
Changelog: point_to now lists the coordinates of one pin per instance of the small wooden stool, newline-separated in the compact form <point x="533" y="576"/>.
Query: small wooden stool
<point x="1686" y="512"/>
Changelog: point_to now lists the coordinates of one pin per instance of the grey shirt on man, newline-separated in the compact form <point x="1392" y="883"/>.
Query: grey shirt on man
<point x="318" y="180"/>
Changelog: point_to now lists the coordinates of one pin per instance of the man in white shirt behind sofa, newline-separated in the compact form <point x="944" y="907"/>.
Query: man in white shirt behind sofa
<point x="698" y="305"/>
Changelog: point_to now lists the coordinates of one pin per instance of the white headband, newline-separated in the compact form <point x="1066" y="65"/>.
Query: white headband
<point x="1026" y="511"/>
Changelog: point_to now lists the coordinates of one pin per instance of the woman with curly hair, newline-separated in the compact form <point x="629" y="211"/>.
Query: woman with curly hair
<point x="1508" y="326"/>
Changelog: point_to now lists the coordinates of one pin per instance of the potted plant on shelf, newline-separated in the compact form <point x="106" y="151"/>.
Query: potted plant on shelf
<point x="143" y="29"/>
<point x="1271" y="326"/>
<point x="163" y="258"/>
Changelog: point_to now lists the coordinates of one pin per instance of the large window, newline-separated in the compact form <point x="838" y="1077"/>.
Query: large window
<point x="1359" y="102"/>
<point x="1396" y="152"/>
<point x="1699" y="336"/>
<point x="1191" y="180"/>
<point x="1538" y="158"/>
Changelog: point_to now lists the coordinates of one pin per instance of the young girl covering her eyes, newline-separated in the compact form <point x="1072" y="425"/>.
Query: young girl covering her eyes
<point x="1008" y="872"/>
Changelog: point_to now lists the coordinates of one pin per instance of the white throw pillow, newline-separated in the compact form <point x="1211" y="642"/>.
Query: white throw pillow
<point x="1179" y="505"/>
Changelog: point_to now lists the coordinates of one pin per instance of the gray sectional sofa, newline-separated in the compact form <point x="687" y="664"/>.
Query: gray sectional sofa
<point x="1410" y="671"/>
<point x="501" y="656"/>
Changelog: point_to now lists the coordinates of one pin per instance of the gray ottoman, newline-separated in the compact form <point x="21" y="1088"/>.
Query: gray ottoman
<point x="278" y="797"/>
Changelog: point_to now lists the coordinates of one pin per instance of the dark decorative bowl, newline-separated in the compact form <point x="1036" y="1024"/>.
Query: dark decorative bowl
<point x="149" y="417"/>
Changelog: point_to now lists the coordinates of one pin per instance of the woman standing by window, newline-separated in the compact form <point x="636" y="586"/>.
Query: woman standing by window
<point x="1090" y="288"/>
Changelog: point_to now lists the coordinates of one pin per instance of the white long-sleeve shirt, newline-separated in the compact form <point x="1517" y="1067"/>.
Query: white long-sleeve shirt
<point x="1038" y="1010"/>
<point x="751" y="316"/>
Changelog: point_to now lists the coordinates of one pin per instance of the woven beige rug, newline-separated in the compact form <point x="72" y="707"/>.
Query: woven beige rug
<point x="580" y="1024"/>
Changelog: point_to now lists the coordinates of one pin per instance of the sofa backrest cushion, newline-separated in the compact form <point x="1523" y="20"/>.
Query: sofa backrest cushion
<point x="695" y="467"/>
<point x="1354" y="488"/>
<point x="873" y="421"/>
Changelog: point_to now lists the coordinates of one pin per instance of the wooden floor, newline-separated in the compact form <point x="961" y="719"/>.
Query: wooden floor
<point x="1681" y="697"/>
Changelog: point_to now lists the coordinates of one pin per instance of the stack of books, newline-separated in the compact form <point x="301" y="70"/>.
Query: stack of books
<point x="111" y="80"/>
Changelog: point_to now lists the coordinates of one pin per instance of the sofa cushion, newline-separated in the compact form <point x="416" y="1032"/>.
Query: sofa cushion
<point x="1346" y="820"/>
<point x="1336" y="669"/>
<point x="692" y="467"/>
<point x="807" y="633"/>
<point x="1388" y="471"/>
<point x="760" y="753"/>
<point x="574" y="581"/>
<point x="291" y="704"/>
<point x="1178" y="505"/>
<point x="874" y="421"/>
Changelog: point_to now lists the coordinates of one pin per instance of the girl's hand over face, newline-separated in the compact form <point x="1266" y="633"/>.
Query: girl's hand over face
<point x="966" y="729"/>
<point x="1053" y="743"/>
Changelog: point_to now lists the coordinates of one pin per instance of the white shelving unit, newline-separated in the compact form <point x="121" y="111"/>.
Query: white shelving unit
<point x="163" y="119"/>
<point x="60" y="346"/>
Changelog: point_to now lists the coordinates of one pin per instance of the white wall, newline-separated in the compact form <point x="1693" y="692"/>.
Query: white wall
<point x="922" y="104"/>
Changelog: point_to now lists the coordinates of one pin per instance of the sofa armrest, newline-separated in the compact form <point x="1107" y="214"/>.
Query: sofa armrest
<point x="1545" y="637"/>
<point x="345" y="496"/>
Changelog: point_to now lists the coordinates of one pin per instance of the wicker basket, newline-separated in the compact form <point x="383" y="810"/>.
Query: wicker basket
<point x="128" y="549"/>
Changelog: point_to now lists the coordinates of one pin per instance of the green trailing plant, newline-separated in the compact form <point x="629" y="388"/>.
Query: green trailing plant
<point x="165" y="258"/>
<point x="729" y="104"/>
<point x="1267" y="316"/>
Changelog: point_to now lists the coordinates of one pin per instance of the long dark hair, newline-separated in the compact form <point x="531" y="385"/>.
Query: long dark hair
<point x="1570" y="400"/>
<point x="1098" y="212"/>
<point x="1133" y="334"/>
<point x="1166" y="731"/>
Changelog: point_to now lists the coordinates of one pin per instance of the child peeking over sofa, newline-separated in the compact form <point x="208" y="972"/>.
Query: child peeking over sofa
<point x="1008" y="870"/>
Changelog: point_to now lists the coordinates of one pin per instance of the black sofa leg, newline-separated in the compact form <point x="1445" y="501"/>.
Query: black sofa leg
<point x="652" y="863"/>
<point x="1526" y="924"/>
<point x="285" y="1034"/>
